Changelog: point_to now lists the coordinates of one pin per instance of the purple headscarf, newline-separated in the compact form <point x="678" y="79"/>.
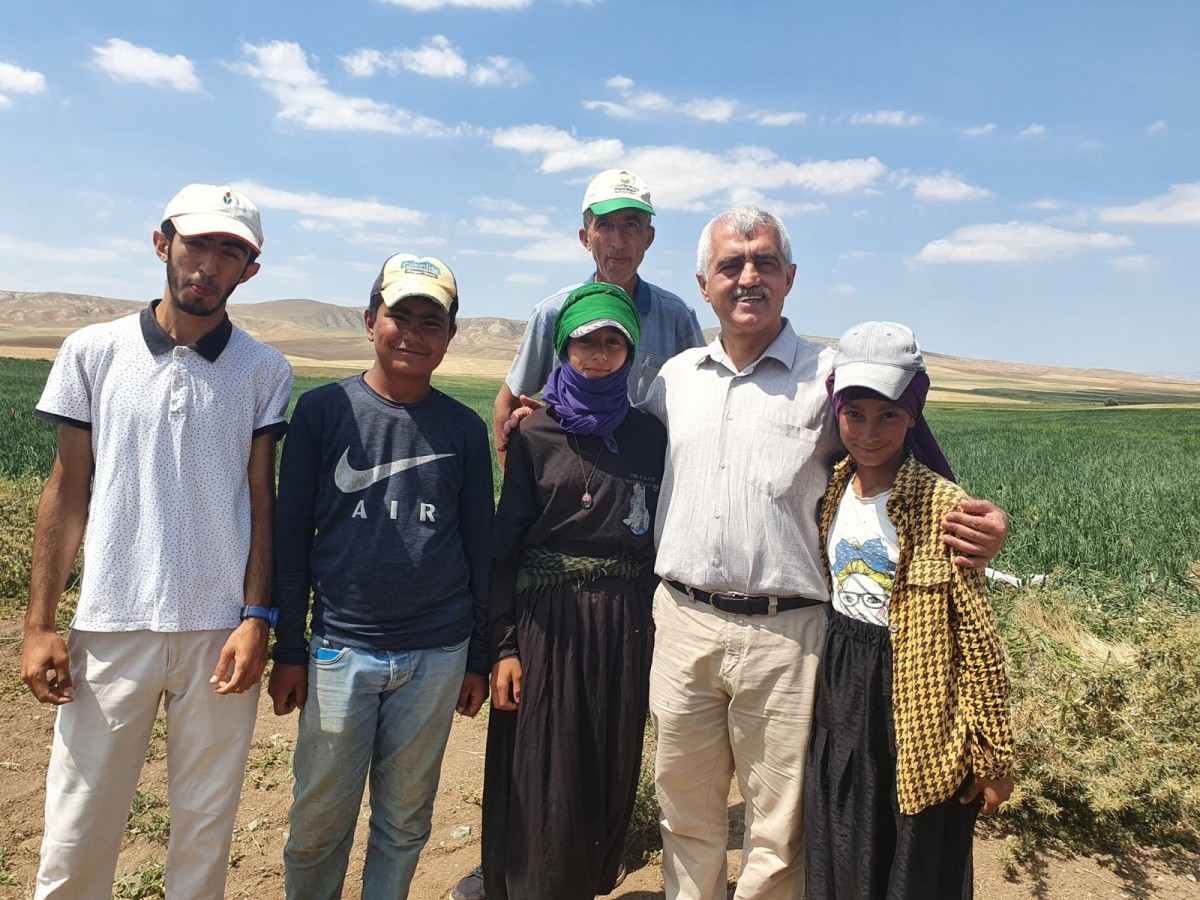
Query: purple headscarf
<point x="919" y="439"/>
<point x="589" y="405"/>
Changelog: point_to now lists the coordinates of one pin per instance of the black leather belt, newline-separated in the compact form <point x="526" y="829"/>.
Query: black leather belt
<point x="739" y="604"/>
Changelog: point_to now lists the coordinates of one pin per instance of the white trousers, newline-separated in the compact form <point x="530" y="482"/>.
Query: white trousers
<point x="100" y="741"/>
<point x="732" y="694"/>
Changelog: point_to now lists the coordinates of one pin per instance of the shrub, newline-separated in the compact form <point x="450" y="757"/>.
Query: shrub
<point x="1107" y="756"/>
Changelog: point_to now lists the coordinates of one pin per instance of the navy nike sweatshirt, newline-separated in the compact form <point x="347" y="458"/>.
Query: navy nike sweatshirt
<point x="385" y="512"/>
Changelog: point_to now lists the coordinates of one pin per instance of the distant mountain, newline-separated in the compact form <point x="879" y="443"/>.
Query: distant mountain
<point x="328" y="338"/>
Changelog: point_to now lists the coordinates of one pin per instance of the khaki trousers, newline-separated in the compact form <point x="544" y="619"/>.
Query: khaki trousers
<point x="100" y="741"/>
<point x="729" y="695"/>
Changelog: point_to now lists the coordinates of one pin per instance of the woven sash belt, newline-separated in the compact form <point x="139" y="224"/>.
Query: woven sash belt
<point x="542" y="568"/>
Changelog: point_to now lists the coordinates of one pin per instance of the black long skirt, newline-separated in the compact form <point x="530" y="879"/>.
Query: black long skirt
<point x="858" y="845"/>
<point x="561" y="773"/>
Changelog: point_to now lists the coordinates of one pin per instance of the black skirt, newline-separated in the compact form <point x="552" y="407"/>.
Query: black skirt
<point x="858" y="845"/>
<point x="561" y="773"/>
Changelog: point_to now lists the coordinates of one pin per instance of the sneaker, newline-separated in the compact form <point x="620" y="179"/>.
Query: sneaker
<point x="470" y="886"/>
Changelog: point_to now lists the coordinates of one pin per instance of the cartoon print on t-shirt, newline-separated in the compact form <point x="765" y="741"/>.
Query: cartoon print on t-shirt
<point x="864" y="576"/>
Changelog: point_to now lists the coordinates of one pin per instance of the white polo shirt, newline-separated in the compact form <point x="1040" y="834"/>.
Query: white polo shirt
<point x="168" y="530"/>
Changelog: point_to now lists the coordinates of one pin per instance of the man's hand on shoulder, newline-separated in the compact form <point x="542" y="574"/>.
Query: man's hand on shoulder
<point x="243" y="658"/>
<point x="45" y="667"/>
<point x="976" y="532"/>
<point x="471" y="696"/>
<point x="528" y="405"/>
<point x="288" y="687"/>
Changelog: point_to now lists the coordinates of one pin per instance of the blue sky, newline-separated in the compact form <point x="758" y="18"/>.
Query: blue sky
<point x="1016" y="181"/>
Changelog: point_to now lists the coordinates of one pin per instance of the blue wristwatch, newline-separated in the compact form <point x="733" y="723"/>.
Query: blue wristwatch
<point x="270" y="613"/>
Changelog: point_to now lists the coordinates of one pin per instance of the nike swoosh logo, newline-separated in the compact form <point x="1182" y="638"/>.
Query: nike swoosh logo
<point x="349" y="479"/>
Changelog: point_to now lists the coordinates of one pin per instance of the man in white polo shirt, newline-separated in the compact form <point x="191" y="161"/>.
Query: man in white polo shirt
<point x="165" y="471"/>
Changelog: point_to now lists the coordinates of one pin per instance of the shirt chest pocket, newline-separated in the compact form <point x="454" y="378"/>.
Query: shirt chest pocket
<point x="925" y="612"/>
<point x="929" y="572"/>
<point x="783" y="460"/>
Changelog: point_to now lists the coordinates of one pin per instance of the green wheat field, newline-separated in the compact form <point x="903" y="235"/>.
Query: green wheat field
<point x="1104" y="651"/>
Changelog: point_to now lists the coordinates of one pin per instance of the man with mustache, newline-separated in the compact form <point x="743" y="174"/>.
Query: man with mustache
<point x="741" y="611"/>
<point x="167" y="423"/>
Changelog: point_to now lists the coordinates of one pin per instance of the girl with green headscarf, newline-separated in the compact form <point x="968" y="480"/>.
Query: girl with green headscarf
<point x="570" y="619"/>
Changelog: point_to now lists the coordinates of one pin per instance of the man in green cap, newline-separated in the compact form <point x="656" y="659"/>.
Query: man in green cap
<point x="617" y="232"/>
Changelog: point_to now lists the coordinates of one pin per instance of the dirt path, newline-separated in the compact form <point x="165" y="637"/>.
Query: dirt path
<point x="453" y="848"/>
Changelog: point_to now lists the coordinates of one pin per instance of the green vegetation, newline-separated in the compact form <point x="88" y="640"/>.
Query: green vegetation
<point x="1108" y="499"/>
<point x="26" y="443"/>
<point x="148" y="816"/>
<point x="147" y="883"/>
<point x="1105" y="653"/>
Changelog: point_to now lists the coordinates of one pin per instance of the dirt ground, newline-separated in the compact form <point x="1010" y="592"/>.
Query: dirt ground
<point x="257" y="872"/>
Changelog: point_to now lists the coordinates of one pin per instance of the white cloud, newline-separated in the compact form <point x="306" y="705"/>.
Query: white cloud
<point x="1178" y="206"/>
<point x="428" y="5"/>
<point x="317" y="206"/>
<point x="315" y="225"/>
<point x="686" y="178"/>
<point x="500" y="70"/>
<point x="534" y="225"/>
<point x="1046" y="204"/>
<point x="779" y="119"/>
<point x="1156" y="127"/>
<point x="944" y="187"/>
<point x="646" y="104"/>
<point x="897" y="118"/>
<point x="15" y="80"/>
<point x="714" y="110"/>
<point x="560" y="150"/>
<point x="391" y="242"/>
<point x="365" y="63"/>
<point x="856" y="254"/>
<point x="499" y="205"/>
<point x="1136" y="263"/>
<point x="979" y="130"/>
<point x="124" y="61"/>
<point x="844" y="289"/>
<point x="1015" y="242"/>
<point x="524" y="278"/>
<point x="281" y="68"/>
<point x="28" y="250"/>
<point x="437" y="58"/>
<point x="637" y="104"/>
<point x="781" y="208"/>
<point x="552" y="250"/>
<point x="1033" y="131"/>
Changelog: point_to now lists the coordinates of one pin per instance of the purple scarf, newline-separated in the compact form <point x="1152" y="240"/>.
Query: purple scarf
<point x="589" y="405"/>
<point x="919" y="439"/>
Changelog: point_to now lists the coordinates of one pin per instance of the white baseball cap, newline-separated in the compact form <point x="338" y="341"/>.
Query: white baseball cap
<point x="616" y="189"/>
<point x="215" y="209"/>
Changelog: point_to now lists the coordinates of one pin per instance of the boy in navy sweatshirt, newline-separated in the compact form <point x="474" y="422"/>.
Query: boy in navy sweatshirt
<point x="385" y="513"/>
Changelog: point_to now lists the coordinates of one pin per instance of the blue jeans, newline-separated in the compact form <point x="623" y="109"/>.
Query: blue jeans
<point x="386" y="713"/>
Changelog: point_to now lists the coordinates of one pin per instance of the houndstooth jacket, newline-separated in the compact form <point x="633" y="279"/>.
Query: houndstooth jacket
<point x="950" y="690"/>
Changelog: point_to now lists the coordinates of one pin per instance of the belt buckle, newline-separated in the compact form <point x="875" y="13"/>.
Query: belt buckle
<point x="727" y="595"/>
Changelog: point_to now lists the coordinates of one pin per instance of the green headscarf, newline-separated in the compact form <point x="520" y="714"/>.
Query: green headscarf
<point x="593" y="302"/>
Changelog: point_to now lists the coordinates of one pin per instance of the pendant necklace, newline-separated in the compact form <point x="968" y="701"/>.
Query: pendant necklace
<point x="586" y="500"/>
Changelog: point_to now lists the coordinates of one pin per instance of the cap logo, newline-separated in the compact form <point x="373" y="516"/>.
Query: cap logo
<point x="420" y="267"/>
<point x="228" y="198"/>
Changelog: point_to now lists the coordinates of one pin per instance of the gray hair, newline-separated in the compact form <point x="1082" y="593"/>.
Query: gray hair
<point x="746" y="219"/>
